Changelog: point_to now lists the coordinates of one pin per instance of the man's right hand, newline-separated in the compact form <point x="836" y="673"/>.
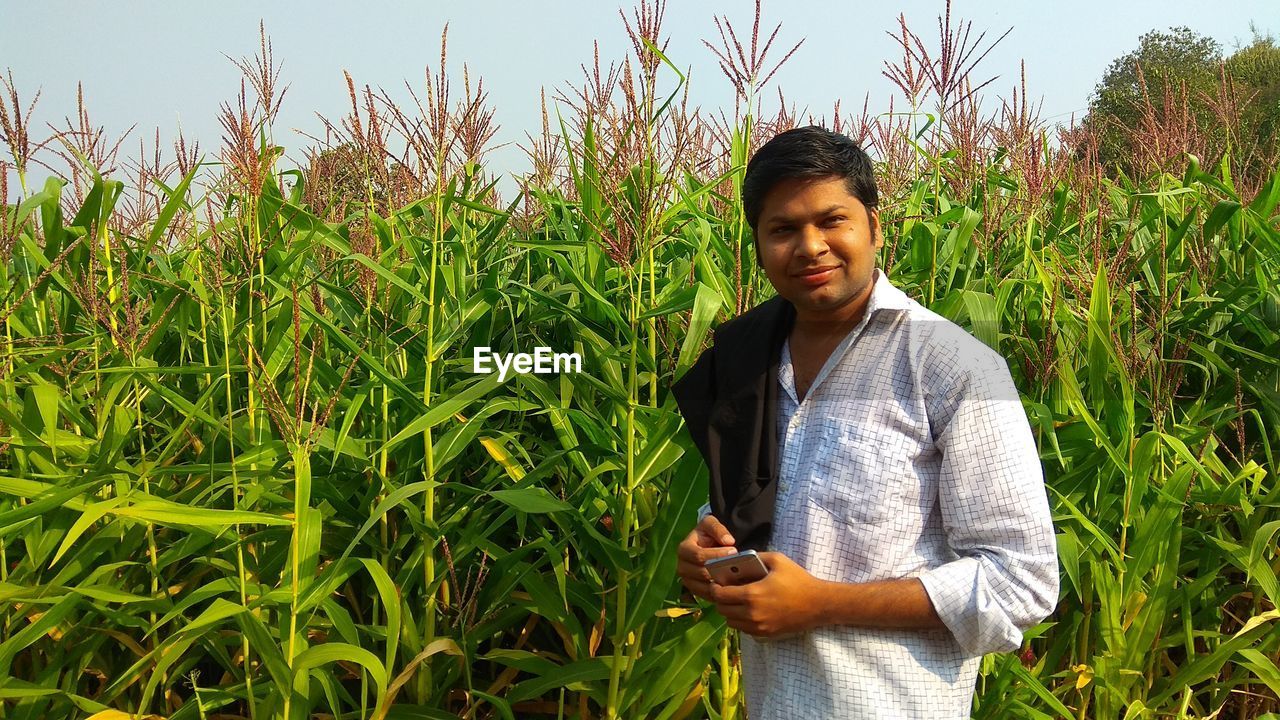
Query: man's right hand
<point x="711" y="539"/>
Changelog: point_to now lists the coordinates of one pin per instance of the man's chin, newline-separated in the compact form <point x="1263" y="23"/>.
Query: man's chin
<point x="825" y="296"/>
<point x="821" y="301"/>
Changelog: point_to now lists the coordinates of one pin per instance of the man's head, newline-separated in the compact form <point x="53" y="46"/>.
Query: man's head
<point x="807" y="152"/>
<point x="810" y="198"/>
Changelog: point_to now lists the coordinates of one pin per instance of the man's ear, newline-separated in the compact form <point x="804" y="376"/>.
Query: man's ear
<point x="755" y="243"/>
<point x="877" y="236"/>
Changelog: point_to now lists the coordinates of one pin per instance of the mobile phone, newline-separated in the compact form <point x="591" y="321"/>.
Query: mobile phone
<point x="737" y="569"/>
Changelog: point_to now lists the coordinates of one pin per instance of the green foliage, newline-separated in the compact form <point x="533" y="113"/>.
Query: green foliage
<point x="1165" y="62"/>
<point x="248" y="470"/>
<point x="1256" y="67"/>
<point x="1178" y="84"/>
<point x="1162" y="58"/>
<point x="244" y="473"/>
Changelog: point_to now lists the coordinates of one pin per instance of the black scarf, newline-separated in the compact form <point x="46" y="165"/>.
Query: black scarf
<point x="729" y="399"/>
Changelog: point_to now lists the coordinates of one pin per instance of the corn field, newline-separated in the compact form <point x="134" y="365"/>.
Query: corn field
<point x="246" y="470"/>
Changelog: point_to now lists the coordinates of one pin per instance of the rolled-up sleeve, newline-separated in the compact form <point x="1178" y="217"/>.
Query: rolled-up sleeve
<point x="995" y="512"/>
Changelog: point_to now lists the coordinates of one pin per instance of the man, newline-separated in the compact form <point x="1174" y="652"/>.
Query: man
<point x="878" y="455"/>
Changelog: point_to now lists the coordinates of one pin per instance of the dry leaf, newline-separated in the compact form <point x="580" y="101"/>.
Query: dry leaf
<point x="1084" y="675"/>
<point x="675" y="612"/>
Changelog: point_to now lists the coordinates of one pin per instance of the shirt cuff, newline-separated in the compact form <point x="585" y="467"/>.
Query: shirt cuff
<point x="964" y="601"/>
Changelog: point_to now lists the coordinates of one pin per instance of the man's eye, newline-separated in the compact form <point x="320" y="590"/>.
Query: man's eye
<point x="834" y="221"/>
<point x="782" y="230"/>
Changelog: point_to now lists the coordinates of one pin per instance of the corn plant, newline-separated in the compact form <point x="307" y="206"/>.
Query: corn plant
<point x="247" y="470"/>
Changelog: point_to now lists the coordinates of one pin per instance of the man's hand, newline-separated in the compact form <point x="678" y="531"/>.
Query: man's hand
<point x="711" y="539"/>
<point x="789" y="600"/>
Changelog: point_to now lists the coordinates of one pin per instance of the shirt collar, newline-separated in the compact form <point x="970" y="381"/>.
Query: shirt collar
<point x="886" y="296"/>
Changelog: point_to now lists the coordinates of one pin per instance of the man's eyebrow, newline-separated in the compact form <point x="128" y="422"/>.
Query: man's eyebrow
<point x="779" y="218"/>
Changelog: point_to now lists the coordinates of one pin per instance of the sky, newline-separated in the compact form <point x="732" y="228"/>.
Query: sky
<point x="166" y="65"/>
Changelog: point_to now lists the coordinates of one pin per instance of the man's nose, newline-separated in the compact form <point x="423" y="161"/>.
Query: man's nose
<point x="812" y="242"/>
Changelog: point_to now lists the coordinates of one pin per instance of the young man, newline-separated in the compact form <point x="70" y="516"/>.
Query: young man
<point x="878" y="455"/>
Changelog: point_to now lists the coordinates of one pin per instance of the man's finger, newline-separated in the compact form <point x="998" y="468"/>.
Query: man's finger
<point x="733" y="613"/>
<point x="688" y="549"/>
<point x="692" y="571"/>
<point x="700" y="555"/>
<point x="772" y="559"/>
<point x="730" y="595"/>
<point x="700" y="589"/>
<point x="748" y="627"/>
<point x="717" y="552"/>
<point x="697" y="555"/>
<point x="698" y="586"/>
<point x="714" y="530"/>
<point x="697" y="571"/>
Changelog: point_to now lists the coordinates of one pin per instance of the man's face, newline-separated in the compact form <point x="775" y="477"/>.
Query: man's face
<point x="818" y="247"/>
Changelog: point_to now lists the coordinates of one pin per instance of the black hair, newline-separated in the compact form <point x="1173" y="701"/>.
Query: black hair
<point x="807" y="152"/>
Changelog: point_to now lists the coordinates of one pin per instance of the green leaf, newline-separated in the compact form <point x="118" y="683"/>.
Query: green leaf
<point x="706" y="305"/>
<point x="320" y="655"/>
<point x="44" y="498"/>
<point x="570" y="676"/>
<point x="91" y="515"/>
<point x="163" y="512"/>
<point x="1100" y="341"/>
<point x="444" y="408"/>
<point x="1219" y="216"/>
<point x="34" y="630"/>
<point x="672" y="668"/>
<point x="983" y="319"/>
<point x="217" y="611"/>
<point x="177" y="199"/>
<point x="389" y="594"/>
<point x="1262" y="667"/>
<point x="530" y="500"/>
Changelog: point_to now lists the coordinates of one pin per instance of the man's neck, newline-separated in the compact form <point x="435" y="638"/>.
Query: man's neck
<point x="834" y="323"/>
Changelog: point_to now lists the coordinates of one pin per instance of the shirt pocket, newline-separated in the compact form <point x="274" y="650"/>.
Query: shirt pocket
<point x="856" y="472"/>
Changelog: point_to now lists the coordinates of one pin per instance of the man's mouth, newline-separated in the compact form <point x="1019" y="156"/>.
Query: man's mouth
<point x="816" y="276"/>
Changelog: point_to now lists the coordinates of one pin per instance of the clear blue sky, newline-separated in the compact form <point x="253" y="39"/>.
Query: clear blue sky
<point x="158" y="64"/>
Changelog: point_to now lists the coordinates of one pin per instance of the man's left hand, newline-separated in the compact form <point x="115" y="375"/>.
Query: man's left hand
<point x="784" y="602"/>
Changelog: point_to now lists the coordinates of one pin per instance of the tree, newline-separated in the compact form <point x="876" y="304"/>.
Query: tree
<point x="1255" y="71"/>
<point x="1176" y="93"/>
<point x="1164" y="62"/>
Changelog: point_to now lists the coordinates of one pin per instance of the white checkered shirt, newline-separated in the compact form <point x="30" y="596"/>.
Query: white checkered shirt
<point x="910" y="456"/>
